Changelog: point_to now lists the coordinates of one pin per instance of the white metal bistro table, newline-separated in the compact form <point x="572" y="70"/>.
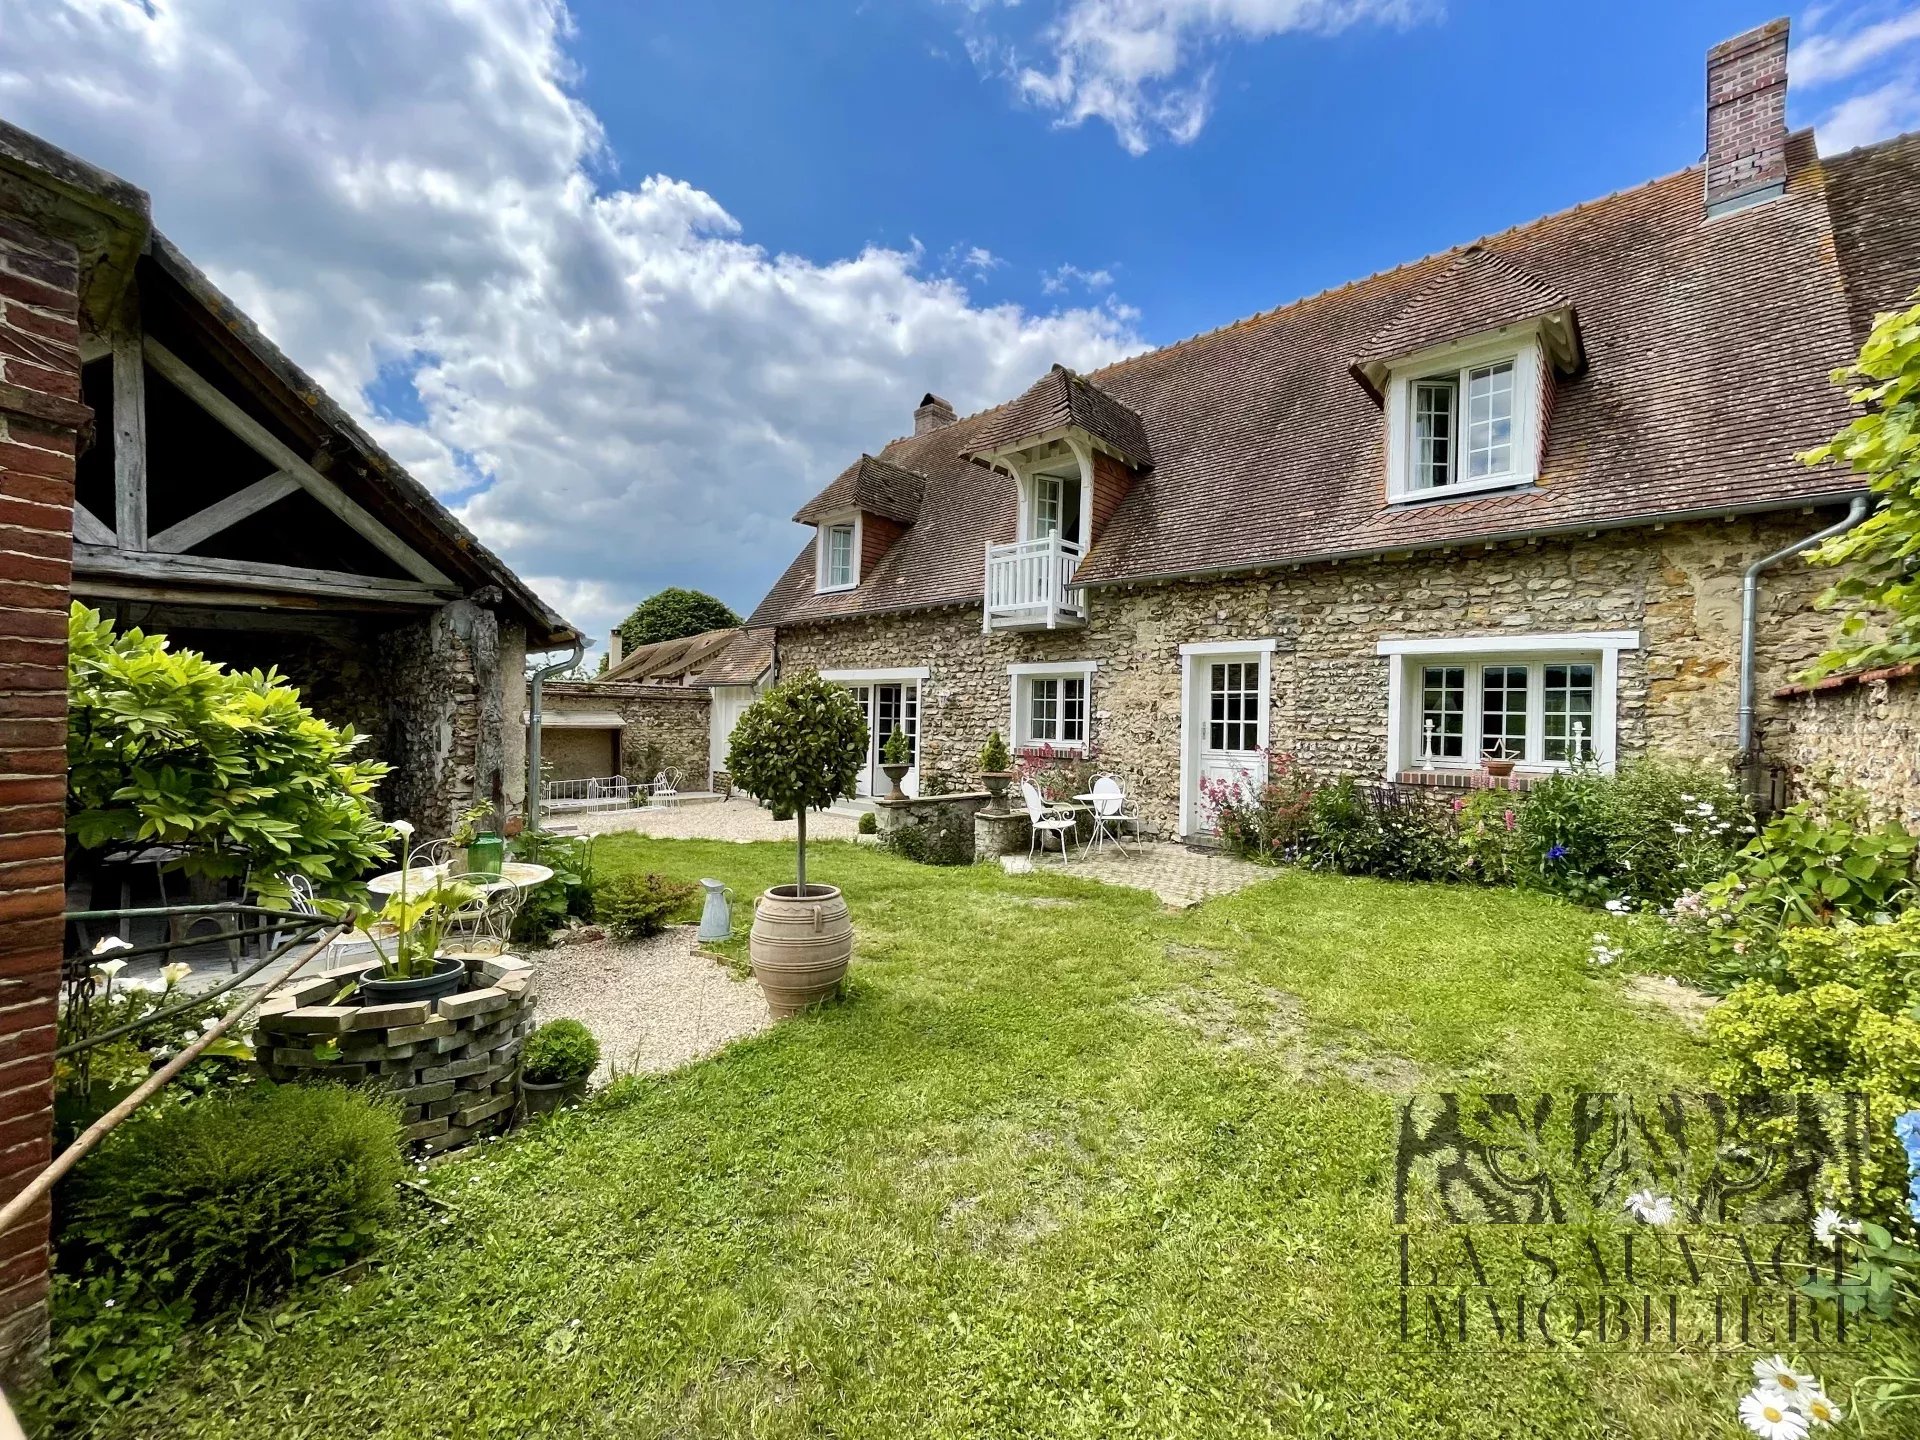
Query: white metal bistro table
<point x="1100" y="832"/>
<point x="514" y="875"/>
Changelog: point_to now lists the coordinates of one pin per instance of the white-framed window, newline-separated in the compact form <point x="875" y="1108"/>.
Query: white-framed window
<point x="1542" y="701"/>
<point x="838" y="558"/>
<point x="1462" y="420"/>
<point x="1051" y="704"/>
<point x="1056" y="506"/>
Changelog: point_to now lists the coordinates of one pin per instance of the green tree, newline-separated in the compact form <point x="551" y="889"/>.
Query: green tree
<point x="167" y="747"/>
<point x="671" y="614"/>
<point x="1882" y="583"/>
<point x="799" y="747"/>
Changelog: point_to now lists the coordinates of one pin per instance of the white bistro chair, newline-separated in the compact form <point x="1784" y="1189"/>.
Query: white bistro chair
<point x="1055" y="820"/>
<point x="666" y="787"/>
<point x="1110" y="813"/>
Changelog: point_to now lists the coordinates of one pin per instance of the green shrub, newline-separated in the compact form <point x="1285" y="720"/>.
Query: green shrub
<point x="166" y="747"/>
<point x="1836" y="1018"/>
<point x="934" y="842"/>
<point x="994" y="756"/>
<point x="559" y="1051"/>
<point x="633" y="907"/>
<point x="1487" y="825"/>
<point x="1266" y="823"/>
<point x="236" y="1194"/>
<point x="114" y="1069"/>
<point x="1341" y="831"/>
<point x="898" y="749"/>
<point x="868" y="824"/>
<point x="1645" y="834"/>
<point x="568" y="895"/>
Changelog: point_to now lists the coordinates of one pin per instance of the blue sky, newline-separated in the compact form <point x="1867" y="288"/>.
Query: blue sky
<point x="626" y="283"/>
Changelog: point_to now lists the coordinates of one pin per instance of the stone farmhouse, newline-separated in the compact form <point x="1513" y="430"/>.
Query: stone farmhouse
<point x="1500" y="500"/>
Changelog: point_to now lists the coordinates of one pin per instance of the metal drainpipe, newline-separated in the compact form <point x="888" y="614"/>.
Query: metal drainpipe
<point x="533" y="729"/>
<point x="1750" y="621"/>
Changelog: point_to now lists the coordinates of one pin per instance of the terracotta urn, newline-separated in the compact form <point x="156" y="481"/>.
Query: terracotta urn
<point x="800" y="946"/>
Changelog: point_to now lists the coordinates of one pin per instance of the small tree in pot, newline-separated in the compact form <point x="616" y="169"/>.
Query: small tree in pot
<point x="556" y="1064"/>
<point x="799" y="748"/>
<point x="996" y="768"/>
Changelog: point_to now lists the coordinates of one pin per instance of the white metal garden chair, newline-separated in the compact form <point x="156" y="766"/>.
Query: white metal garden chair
<point x="1056" y="820"/>
<point x="665" y="787"/>
<point x="1110" y="813"/>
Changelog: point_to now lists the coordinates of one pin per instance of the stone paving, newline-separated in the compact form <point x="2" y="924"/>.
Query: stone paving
<point x="1177" y="875"/>
<point x="738" y="819"/>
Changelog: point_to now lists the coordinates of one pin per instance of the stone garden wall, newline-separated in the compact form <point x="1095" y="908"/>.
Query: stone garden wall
<point x="1860" y="731"/>
<point x="667" y="725"/>
<point x="1678" y="586"/>
<point x="453" y="1063"/>
<point x="935" y="829"/>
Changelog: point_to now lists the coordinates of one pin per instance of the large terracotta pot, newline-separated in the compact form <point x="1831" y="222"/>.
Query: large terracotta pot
<point x="800" y="946"/>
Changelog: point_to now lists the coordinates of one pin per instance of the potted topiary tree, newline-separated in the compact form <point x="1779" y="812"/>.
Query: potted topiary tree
<point x="896" y="758"/>
<point x="557" y="1063"/>
<point x="797" y="748"/>
<point x="996" y="769"/>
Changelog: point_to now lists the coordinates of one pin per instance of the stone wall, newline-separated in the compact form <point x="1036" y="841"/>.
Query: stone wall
<point x="667" y="725"/>
<point x="452" y="1063"/>
<point x="446" y="716"/>
<point x="1860" y="731"/>
<point x="1678" y="586"/>
<point x="936" y="830"/>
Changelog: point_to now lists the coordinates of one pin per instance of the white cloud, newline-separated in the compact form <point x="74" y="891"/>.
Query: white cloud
<point x="1145" y="66"/>
<point x="1066" y="277"/>
<point x="620" y="389"/>
<point x="1892" y="109"/>
<point x="1820" y="58"/>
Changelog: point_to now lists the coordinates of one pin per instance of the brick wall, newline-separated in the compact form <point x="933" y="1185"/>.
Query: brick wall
<point x="41" y="424"/>
<point x="1747" y="113"/>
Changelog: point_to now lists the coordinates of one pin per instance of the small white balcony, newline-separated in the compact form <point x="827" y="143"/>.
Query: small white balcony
<point x="1027" y="586"/>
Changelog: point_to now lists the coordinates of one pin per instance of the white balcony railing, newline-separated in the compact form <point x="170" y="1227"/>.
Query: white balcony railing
<point x="1026" y="585"/>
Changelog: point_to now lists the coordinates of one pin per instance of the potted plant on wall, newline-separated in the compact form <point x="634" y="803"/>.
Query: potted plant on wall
<point x="558" y="1061"/>
<point x="406" y="935"/>
<point x="896" y="758"/>
<point x="996" y="769"/>
<point x="1498" y="762"/>
<point x="797" y="748"/>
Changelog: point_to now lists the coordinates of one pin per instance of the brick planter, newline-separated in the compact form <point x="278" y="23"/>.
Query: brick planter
<point x="453" y="1063"/>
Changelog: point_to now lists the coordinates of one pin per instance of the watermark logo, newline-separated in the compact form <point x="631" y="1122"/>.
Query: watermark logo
<point x="1682" y="1220"/>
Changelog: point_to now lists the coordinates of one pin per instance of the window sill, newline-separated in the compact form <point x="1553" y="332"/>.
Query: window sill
<point x="836" y="589"/>
<point x="1442" y="494"/>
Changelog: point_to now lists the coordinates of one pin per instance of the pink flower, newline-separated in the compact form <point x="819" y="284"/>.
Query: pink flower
<point x="1509" y="819"/>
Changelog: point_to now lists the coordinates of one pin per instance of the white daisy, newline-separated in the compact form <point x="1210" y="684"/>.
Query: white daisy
<point x="1774" y="1371"/>
<point x="1768" y="1414"/>
<point x="1829" y="1225"/>
<point x="1819" y="1409"/>
<point x="1650" y="1208"/>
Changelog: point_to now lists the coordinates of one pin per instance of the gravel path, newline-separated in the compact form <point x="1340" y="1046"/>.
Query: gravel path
<point x="653" y="1004"/>
<point x="737" y="819"/>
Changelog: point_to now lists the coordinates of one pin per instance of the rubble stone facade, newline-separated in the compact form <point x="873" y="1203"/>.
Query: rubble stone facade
<point x="1678" y="586"/>
<point x="1858" y="731"/>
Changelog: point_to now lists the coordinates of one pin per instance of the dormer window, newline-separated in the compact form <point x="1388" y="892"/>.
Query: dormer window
<point x="1056" y="505"/>
<point x="1463" y="422"/>
<point x="838" y="554"/>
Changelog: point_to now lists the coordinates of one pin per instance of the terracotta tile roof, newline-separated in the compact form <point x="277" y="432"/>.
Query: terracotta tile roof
<point x="1479" y="292"/>
<point x="1061" y="398"/>
<point x="1876" y="225"/>
<point x="1708" y="347"/>
<point x="1847" y="680"/>
<point x="875" y="486"/>
<point x="744" y="660"/>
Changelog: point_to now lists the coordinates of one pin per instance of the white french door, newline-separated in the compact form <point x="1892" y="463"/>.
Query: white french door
<point x="889" y="706"/>
<point x="1225" y="725"/>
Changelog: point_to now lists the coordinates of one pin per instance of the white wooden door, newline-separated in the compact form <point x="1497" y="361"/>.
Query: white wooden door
<point x="1227" y="723"/>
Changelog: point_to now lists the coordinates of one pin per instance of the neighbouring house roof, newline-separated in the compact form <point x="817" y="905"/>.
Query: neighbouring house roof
<point x="1479" y="292"/>
<point x="746" y="657"/>
<point x="1056" y="401"/>
<point x="672" y="662"/>
<point x="875" y="486"/>
<point x="1707" y="344"/>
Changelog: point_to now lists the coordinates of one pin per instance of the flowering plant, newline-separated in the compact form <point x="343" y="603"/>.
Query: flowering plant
<point x="1058" y="775"/>
<point x="408" y="931"/>
<point x="1264" y="821"/>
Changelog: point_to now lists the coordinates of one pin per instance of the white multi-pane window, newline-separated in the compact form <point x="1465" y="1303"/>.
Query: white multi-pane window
<point x="836" y="556"/>
<point x="1465" y="426"/>
<point x="1490" y="421"/>
<point x="1536" y="713"/>
<point x="1233" y="706"/>
<point x="1050" y="703"/>
<point x="1056" y="506"/>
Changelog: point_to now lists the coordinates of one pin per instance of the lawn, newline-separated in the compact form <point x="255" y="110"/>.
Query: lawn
<point x="1062" y="1163"/>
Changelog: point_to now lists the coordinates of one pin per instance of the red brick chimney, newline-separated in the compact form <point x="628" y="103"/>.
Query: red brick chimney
<point x="1747" y="118"/>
